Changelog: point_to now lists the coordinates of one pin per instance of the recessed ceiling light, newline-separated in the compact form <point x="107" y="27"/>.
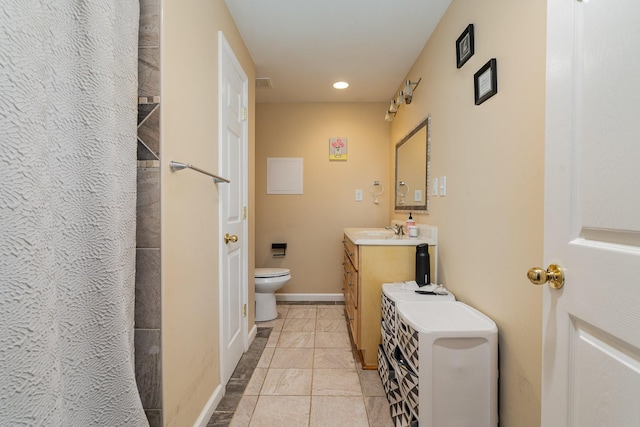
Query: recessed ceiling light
<point x="341" y="85"/>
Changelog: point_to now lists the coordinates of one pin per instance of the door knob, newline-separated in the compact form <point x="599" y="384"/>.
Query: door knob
<point x="553" y="274"/>
<point x="230" y="238"/>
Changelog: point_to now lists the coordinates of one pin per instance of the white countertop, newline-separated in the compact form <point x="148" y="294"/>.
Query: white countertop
<point x="384" y="237"/>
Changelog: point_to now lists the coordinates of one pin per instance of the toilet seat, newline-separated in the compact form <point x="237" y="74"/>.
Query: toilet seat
<point x="265" y="273"/>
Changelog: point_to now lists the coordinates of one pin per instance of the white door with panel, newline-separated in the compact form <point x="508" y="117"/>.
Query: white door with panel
<point x="233" y="227"/>
<point x="591" y="326"/>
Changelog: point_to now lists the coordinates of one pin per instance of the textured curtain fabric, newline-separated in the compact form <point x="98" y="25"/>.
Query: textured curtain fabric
<point x="68" y="83"/>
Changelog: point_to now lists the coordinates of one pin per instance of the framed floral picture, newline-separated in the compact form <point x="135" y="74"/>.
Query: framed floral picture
<point x="337" y="148"/>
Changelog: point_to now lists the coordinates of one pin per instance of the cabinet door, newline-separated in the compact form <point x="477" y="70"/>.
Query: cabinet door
<point x="350" y="278"/>
<point x="353" y="287"/>
<point x="352" y="318"/>
<point x="349" y="289"/>
<point x="347" y="272"/>
<point x="352" y="251"/>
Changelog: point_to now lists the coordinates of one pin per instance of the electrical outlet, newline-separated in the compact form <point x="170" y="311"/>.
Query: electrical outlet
<point x="417" y="195"/>
<point x="358" y="195"/>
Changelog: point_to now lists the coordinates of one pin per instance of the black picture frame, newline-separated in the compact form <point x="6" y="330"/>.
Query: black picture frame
<point x="485" y="81"/>
<point x="464" y="46"/>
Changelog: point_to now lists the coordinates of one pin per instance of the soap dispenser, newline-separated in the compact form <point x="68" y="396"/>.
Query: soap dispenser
<point x="410" y="221"/>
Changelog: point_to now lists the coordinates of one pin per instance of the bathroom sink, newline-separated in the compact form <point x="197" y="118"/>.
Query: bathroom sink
<point x="381" y="236"/>
<point x="378" y="233"/>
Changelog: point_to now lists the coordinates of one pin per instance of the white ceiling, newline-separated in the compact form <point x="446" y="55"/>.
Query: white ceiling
<point x="304" y="46"/>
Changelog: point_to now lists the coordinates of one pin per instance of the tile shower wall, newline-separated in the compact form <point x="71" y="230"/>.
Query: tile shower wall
<point x="148" y="346"/>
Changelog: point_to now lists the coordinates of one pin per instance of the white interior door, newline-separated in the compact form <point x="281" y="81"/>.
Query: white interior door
<point x="591" y="327"/>
<point x="233" y="166"/>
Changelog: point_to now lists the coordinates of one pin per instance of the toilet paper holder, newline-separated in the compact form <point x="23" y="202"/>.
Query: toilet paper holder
<point x="280" y="249"/>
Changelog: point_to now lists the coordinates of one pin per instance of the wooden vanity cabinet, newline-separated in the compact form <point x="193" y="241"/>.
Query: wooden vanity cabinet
<point x="366" y="268"/>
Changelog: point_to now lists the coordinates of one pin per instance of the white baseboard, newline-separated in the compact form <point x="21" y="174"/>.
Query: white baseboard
<point x="218" y="393"/>
<point x="210" y="407"/>
<point x="309" y="297"/>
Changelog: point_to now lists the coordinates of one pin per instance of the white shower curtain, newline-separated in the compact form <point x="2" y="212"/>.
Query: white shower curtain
<point x="68" y="83"/>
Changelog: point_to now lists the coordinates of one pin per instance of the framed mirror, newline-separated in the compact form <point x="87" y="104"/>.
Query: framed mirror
<point x="413" y="169"/>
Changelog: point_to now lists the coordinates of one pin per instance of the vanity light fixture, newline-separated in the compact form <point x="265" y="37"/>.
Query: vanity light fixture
<point x="405" y="96"/>
<point x="389" y="116"/>
<point x="340" y="85"/>
<point x="409" y="87"/>
<point x="393" y="108"/>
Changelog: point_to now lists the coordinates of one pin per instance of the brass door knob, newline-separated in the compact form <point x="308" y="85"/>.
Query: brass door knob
<point x="553" y="274"/>
<point x="230" y="238"/>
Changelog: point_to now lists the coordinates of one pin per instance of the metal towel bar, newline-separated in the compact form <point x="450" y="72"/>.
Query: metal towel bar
<point x="177" y="166"/>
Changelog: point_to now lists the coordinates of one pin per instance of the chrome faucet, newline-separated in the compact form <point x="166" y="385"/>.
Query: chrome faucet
<point x="398" y="229"/>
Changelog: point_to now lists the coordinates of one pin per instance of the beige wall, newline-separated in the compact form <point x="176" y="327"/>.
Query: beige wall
<point x="491" y="221"/>
<point x="312" y="223"/>
<point x="189" y="201"/>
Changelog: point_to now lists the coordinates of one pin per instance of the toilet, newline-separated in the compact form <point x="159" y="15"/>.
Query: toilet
<point x="268" y="281"/>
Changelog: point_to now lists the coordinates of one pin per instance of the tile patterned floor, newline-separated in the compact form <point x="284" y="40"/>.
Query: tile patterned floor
<point x="305" y="375"/>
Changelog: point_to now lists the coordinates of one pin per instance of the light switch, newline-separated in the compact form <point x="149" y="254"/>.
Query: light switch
<point x="358" y="195"/>
<point x="417" y="196"/>
<point x="443" y="186"/>
<point x="434" y="186"/>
